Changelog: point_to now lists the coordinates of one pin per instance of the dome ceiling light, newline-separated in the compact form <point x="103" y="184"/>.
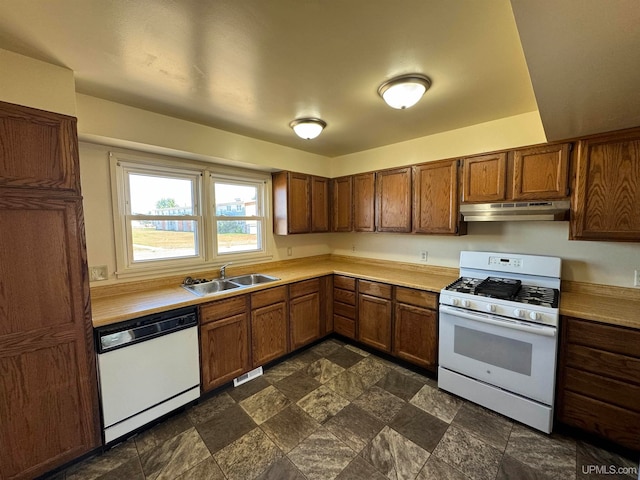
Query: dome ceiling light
<point x="404" y="91"/>
<point x="308" y="128"/>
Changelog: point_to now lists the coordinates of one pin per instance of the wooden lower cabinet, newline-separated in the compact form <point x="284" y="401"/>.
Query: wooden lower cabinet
<point x="344" y="306"/>
<point x="224" y="341"/>
<point x="304" y="312"/>
<point x="599" y="380"/>
<point x="415" y="337"/>
<point x="375" y="315"/>
<point x="269" y="325"/>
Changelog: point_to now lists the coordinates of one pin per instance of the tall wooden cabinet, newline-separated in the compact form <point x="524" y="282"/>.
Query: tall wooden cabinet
<point x="393" y="200"/>
<point x="48" y="384"/>
<point x="342" y="204"/>
<point x="300" y="203"/>
<point x="364" y="187"/>
<point x="606" y="198"/>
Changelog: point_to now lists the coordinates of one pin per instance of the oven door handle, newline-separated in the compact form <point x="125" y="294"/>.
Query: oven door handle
<point x="505" y="323"/>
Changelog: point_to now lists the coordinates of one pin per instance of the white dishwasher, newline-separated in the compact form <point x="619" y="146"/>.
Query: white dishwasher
<point x="147" y="368"/>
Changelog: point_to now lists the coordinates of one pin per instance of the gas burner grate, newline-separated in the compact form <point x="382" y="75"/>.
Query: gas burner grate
<point x="504" y="288"/>
<point x="464" y="285"/>
<point x="542" y="296"/>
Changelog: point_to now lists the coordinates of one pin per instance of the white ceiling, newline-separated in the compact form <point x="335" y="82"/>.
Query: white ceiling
<point x="252" y="66"/>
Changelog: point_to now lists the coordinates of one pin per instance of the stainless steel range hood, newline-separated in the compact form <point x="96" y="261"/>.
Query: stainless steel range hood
<point x="515" y="211"/>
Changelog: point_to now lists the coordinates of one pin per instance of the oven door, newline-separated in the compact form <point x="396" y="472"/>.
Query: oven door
<point x="511" y="354"/>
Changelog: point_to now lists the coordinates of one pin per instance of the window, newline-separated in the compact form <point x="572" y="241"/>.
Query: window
<point x="169" y="217"/>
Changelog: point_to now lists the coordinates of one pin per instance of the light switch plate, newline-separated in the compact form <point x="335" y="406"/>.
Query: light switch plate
<point x="98" y="273"/>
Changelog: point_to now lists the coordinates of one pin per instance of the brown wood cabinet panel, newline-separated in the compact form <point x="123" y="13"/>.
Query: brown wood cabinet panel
<point x="364" y="187"/>
<point x="374" y="322"/>
<point x="393" y="200"/>
<point x="224" y="350"/>
<point x="344" y="326"/>
<point x="541" y="173"/>
<point x="603" y="337"/>
<point x="606" y="389"/>
<point x="608" y="364"/>
<point x="419" y="298"/>
<point x="48" y="386"/>
<point x="320" y="204"/>
<point x="223" y="308"/>
<point x="614" y="423"/>
<point x="415" y="335"/>
<point x="342" y="204"/>
<point x="298" y="202"/>
<point x="304" y="317"/>
<point x="435" y="198"/>
<point x="326" y="304"/>
<point x="269" y="326"/>
<point x="484" y="178"/>
<point x="344" y="310"/>
<point x="345" y="283"/>
<point x="344" y="296"/>
<point x="38" y="149"/>
<point x="607" y="192"/>
<point x="305" y="287"/>
<point x="376" y="289"/>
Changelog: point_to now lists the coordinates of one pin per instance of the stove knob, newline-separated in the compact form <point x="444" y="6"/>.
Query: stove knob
<point x="491" y="307"/>
<point x="534" y="316"/>
<point x="518" y="312"/>
<point x="455" y="302"/>
<point x="466" y="303"/>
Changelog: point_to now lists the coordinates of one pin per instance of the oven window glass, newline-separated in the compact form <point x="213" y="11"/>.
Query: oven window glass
<point x="503" y="352"/>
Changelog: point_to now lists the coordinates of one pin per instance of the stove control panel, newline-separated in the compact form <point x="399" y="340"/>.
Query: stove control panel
<point x="513" y="262"/>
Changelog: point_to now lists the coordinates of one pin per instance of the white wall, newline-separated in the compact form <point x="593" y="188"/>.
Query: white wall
<point x="36" y="84"/>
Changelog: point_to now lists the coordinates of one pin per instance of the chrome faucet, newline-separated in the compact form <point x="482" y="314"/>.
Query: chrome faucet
<point x="223" y="270"/>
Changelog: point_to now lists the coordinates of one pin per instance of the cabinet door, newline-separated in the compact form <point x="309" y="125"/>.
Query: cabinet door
<point x="319" y="204"/>
<point x="268" y="333"/>
<point x="48" y="385"/>
<point x="393" y="200"/>
<point x="304" y="315"/>
<point x="364" y="186"/>
<point x="435" y="198"/>
<point x="224" y="350"/>
<point x="607" y="194"/>
<point x="39" y="149"/>
<point x="484" y="178"/>
<point x="415" y="336"/>
<point x="541" y="173"/>
<point x="342" y="204"/>
<point x="298" y="206"/>
<point x="374" y="322"/>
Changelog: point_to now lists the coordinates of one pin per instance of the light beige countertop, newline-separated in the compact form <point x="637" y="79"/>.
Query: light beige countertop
<point x="116" y="303"/>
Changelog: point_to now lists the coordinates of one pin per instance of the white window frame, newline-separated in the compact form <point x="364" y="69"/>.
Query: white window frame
<point x="204" y="174"/>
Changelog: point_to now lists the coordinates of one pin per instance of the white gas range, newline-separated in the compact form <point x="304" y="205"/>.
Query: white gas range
<point x="499" y="334"/>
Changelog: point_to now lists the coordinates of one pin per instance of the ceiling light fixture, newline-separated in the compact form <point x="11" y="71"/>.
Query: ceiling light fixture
<point x="308" y="128"/>
<point x="404" y="91"/>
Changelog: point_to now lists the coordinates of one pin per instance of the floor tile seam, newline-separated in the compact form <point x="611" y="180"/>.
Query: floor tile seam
<point x="477" y="436"/>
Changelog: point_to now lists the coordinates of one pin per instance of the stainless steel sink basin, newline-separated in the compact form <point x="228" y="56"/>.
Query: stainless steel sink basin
<point x="252" y="279"/>
<point x="217" y="286"/>
<point x="214" y="286"/>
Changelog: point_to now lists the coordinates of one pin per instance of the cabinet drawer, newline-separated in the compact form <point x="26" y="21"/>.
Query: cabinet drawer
<point x="304" y="288"/>
<point x="344" y="296"/>
<point x="605" y="389"/>
<point x="345" y="310"/>
<point x="346" y="283"/>
<point x="381" y="290"/>
<point x="614" y="423"/>
<point x="268" y="297"/>
<point x="419" y="298"/>
<point x="603" y="337"/>
<point x="210" y="312"/>
<point x="603" y="363"/>
<point x="344" y="326"/>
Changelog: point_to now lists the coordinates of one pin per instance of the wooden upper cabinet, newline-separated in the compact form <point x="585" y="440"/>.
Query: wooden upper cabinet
<point x="541" y="173"/>
<point x="435" y="198"/>
<point x="393" y="200"/>
<point x="484" y="178"/>
<point x="364" y="187"/>
<point x="300" y="203"/>
<point x="38" y="149"/>
<point x="319" y="204"/>
<point x="342" y="204"/>
<point x="606" y="198"/>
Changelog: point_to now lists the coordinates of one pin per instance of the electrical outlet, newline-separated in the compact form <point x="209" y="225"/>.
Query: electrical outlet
<point x="353" y="248"/>
<point x="636" y="278"/>
<point x="98" y="273"/>
<point x="289" y="251"/>
<point x="424" y="255"/>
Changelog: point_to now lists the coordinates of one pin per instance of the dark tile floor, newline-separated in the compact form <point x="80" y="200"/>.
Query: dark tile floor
<point x="337" y="412"/>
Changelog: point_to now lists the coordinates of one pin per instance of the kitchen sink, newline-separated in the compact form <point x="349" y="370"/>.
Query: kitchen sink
<point x="252" y="279"/>
<point x="213" y="286"/>
<point x="204" y="288"/>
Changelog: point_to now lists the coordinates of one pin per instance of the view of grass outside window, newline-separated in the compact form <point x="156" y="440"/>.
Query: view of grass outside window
<point x="162" y="217"/>
<point x="238" y="212"/>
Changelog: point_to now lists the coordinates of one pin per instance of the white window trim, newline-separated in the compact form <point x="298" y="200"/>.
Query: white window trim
<point x="207" y="238"/>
